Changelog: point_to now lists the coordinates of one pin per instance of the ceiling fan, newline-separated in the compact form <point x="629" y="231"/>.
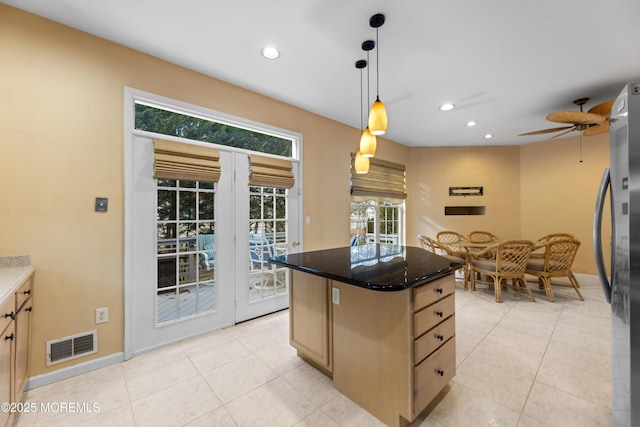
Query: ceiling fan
<point x="592" y="122"/>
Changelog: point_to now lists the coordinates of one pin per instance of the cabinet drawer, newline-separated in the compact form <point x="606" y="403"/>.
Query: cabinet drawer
<point x="434" y="373"/>
<point x="23" y="293"/>
<point x="433" y="291"/>
<point x="429" y="317"/>
<point x="7" y="312"/>
<point x="429" y="342"/>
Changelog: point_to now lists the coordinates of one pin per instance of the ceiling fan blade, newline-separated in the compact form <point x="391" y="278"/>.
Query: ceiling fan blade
<point x="597" y="129"/>
<point x="603" y="109"/>
<point x="560" y="134"/>
<point x="540" y="132"/>
<point x="576" y="117"/>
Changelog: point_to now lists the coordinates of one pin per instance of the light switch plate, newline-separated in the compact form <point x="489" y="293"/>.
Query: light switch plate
<point x="102" y="204"/>
<point x="335" y="296"/>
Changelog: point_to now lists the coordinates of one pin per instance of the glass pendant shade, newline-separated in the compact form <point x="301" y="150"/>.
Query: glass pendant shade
<point x="361" y="163"/>
<point x="378" y="118"/>
<point x="368" y="144"/>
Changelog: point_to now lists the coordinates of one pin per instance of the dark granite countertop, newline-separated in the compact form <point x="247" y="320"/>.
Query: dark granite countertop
<point x="379" y="267"/>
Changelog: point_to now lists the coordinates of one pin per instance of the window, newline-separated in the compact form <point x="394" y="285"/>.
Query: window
<point x="158" y="120"/>
<point x="377" y="203"/>
<point x="185" y="248"/>
<point x="376" y="222"/>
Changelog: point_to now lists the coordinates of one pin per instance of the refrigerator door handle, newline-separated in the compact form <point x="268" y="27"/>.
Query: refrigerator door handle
<point x="605" y="185"/>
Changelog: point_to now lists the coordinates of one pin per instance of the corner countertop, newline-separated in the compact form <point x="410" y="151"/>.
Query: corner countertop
<point x="13" y="272"/>
<point x="379" y="267"/>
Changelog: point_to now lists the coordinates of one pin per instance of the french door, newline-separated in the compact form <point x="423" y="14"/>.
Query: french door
<point x="199" y="250"/>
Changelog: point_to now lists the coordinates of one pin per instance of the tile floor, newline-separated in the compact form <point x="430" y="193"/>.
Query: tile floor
<point x="519" y="364"/>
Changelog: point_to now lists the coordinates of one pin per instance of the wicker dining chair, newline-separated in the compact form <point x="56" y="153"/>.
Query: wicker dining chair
<point x="508" y="261"/>
<point x="478" y="236"/>
<point x="429" y="244"/>
<point x="556" y="262"/>
<point x="453" y="241"/>
<point x="538" y="250"/>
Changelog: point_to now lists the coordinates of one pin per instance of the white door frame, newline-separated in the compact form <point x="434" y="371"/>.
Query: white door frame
<point x="132" y="95"/>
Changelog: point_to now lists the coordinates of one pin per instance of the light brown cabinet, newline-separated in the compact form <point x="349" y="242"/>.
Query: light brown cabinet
<point x="6" y="358"/>
<point x="15" y="323"/>
<point x="22" y="320"/>
<point x="310" y="319"/>
<point x="389" y="352"/>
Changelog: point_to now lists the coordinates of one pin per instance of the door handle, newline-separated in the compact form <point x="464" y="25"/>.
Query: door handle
<point x="597" y="237"/>
<point x="294" y="244"/>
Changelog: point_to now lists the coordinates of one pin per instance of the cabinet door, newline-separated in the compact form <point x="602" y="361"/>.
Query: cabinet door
<point x="23" y="337"/>
<point x="6" y="348"/>
<point x="310" y="318"/>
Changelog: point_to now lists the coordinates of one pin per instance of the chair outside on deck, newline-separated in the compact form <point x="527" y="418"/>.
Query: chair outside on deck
<point x="556" y="262"/>
<point x="260" y="250"/>
<point x="508" y="261"/>
<point x="206" y="247"/>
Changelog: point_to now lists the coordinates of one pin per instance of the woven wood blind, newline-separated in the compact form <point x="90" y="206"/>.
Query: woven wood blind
<point x="385" y="181"/>
<point x="177" y="160"/>
<point x="269" y="172"/>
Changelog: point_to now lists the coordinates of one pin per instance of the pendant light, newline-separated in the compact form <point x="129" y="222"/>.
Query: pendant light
<point x="368" y="143"/>
<point x="378" y="113"/>
<point x="361" y="163"/>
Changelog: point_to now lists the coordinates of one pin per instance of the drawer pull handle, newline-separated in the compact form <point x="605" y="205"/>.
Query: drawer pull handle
<point x="27" y="292"/>
<point x="439" y="313"/>
<point x="439" y="290"/>
<point x="28" y="309"/>
<point x="441" y="372"/>
<point x="12" y="315"/>
<point x="8" y="337"/>
<point x="440" y="337"/>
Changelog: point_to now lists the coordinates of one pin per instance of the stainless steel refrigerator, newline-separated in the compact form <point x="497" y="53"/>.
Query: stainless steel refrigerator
<point x="622" y="181"/>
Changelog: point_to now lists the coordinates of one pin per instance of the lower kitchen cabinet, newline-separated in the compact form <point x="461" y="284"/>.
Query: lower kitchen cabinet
<point x="15" y="323"/>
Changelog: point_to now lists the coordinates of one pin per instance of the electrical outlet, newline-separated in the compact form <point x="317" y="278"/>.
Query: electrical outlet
<point x="335" y="296"/>
<point x="102" y="315"/>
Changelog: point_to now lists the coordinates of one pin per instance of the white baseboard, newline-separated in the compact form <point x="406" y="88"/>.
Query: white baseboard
<point x="72" y="371"/>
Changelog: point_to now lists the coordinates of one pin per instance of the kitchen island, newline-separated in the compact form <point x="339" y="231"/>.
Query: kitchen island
<point x="377" y="319"/>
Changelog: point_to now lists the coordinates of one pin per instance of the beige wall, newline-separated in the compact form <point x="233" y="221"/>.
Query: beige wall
<point x="559" y="192"/>
<point x="62" y="145"/>
<point x="433" y="170"/>
<point x="61" y="139"/>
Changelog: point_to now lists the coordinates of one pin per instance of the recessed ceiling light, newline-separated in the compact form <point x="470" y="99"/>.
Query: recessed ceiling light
<point x="446" y="107"/>
<point x="488" y="136"/>
<point x="471" y="123"/>
<point x="270" y="52"/>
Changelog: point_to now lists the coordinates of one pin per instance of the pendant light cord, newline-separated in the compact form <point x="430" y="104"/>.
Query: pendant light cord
<point x="368" y="80"/>
<point x="361" y="115"/>
<point x="580" y="142"/>
<point x="377" y="65"/>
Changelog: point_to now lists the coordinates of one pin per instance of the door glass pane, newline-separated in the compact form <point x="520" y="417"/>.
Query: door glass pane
<point x="186" y="249"/>
<point x="267" y="238"/>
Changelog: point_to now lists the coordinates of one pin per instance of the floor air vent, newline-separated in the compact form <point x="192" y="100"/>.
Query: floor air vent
<point x="71" y="347"/>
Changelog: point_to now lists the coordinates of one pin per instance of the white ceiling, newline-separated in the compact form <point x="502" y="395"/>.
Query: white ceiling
<point x="504" y="63"/>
